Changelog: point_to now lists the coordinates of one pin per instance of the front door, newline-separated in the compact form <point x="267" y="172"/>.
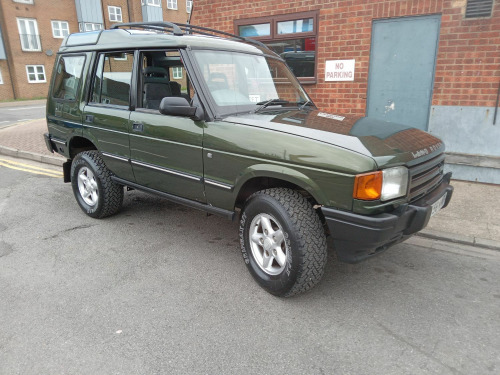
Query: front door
<point x="165" y="151"/>
<point x="402" y="62"/>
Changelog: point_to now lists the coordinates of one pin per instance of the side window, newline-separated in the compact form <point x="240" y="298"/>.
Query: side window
<point x="113" y="75"/>
<point x="162" y="75"/>
<point x="68" y="76"/>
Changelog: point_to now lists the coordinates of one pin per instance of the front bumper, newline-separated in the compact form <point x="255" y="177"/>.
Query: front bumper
<point x="357" y="237"/>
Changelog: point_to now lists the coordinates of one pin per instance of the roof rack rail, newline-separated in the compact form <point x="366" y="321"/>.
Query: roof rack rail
<point x="179" y="29"/>
<point x="151" y="25"/>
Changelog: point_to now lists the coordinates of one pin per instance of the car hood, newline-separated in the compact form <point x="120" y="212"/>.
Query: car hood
<point x="386" y="142"/>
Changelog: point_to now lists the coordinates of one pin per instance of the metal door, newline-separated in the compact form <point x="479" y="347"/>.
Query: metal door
<point x="402" y="63"/>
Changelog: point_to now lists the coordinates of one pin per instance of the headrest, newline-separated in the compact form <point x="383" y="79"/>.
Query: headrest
<point x="155" y="70"/>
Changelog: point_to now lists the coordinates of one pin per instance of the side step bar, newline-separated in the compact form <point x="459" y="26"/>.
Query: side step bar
<point x="174" y="198"/>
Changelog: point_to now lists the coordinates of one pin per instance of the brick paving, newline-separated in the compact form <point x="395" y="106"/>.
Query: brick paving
<point x="26" y="136"/>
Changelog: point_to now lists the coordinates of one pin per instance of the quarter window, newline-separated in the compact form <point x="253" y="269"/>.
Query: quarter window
<point x="28" y="32"/>
<point x="115" y="14"/>
<point x="111" y="84"/>
<point x="67" y="77"/>
<point x="60" y="29"/>
<point x="292" y="36"/>
<point x="36" y="73"/>
<point x="172" y="4"/>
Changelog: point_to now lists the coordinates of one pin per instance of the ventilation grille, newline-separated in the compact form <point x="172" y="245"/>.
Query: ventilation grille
<point x="478" y="8"/>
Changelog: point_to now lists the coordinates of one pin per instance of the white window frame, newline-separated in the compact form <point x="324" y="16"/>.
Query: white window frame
<point x="177" y="72"/>
<point x="153" y="3"/>
<point x="115" y="12"/>
<point x="24" y="1"/>
<point x="35" y="72"/>
<point x="190" y="7"/>
<point x="82" y="26"/>
<point x="59" y="29"/>
<point x="37" y="35"/>
<point x="1" y="79"/>
<point x="172" y="4"/>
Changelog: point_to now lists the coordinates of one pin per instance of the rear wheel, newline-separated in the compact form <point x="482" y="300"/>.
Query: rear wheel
<point x="282" y="241"/>
<point x="96" y="193"/>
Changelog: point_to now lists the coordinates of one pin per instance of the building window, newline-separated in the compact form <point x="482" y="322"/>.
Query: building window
<point x="153" y="3"/>
<point x="189" y="5"/>
<point x="60" y="29"/>
<point x="478" y="8"/>
<point x="115" y="14"/>
<point x="89" y="26"/>
<point x="24" y="1"/>
<point x="292" y="36"/>
<point x="28" y="32"/>
<point x="177" y="72"/>
<point x="36" y="73"/>
<point x="172" y="4"/>
<point x="1" y="79"/>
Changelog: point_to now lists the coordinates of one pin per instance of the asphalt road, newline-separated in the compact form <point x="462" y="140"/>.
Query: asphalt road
<point x="162" y="289"/>
<point x="10" y="115"/>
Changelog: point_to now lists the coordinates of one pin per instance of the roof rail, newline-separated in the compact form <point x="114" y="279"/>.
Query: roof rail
<point x="179" y="29"/>
<point x="151" y="25"/>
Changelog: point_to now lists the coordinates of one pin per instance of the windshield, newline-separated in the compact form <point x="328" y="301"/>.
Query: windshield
<point x="241" y="82"/>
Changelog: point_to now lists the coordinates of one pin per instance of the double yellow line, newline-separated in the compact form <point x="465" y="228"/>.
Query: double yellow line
<point x="29" y="168"/>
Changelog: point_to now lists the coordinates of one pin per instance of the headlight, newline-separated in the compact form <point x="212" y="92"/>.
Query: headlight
<point x="387" y="184"/>
<point x="395" y="183"/>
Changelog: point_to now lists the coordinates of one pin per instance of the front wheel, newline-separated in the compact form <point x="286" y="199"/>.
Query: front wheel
<point x="282" y="241"/>
<point x="96" y="193"/>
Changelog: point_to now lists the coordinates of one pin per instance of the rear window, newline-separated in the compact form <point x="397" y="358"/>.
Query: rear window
<point x="112" y="79"/>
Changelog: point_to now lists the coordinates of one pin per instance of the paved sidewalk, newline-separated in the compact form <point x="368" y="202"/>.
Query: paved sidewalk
<point x="472" y="217"/>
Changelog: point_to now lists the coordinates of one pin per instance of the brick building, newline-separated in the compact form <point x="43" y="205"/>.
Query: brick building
<point x="432" y="64"/>
<point x="31" y="32"/>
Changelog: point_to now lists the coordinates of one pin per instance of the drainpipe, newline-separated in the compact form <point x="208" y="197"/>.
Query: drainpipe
<point x="128" y="10"/>
<point x="8" y="52"/>
<point x="496" y="105"/>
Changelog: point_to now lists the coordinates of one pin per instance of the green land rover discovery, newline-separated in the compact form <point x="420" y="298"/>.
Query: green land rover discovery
<point x="218" y="122"/>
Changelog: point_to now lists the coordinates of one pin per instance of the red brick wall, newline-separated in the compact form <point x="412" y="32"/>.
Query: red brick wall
<point x="117" y="3"/>
<point x="44" y="12"/>
<point x="468" y="61"/>
<point x="6" y="88"/>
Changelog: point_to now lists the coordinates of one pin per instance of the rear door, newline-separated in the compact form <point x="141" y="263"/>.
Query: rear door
<point x="106" y="117"/>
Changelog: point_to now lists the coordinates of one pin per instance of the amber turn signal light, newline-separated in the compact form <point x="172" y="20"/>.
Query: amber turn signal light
<point x="368" y="186"/>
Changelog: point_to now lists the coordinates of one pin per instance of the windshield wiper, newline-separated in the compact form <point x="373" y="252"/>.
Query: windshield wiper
<point x="266" y="103"/>
<point x="303" y="104"/>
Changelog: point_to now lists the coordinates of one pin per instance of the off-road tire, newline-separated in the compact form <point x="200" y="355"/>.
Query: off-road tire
<point x="304" y="235"/>
<point x="110" y="194"/>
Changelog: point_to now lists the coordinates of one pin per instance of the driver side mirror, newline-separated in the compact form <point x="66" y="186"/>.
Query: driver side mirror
<point x="176" y="106"/>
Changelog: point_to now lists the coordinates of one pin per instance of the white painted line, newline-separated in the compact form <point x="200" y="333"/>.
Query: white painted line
<point x="22" y="108"/>
<point x="1" y="122"/>
<point x="24" y="119"/>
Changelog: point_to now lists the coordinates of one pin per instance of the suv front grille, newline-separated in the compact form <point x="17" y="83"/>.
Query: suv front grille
<point x="425" y="177"/>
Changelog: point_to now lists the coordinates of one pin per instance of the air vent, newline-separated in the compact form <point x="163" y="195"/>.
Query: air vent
<point x="478" y="8"/>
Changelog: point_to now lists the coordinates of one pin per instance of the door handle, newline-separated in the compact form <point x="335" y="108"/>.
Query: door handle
<point x="89" y="118"/>
<point x="138" y="127"/>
